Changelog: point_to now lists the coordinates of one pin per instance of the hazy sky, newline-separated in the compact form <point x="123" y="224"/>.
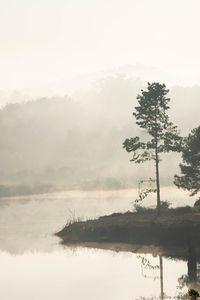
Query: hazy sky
<point x="46" y="41"/>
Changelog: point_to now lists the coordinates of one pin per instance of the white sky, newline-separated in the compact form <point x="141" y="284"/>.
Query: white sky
<point x="44" y="41"/>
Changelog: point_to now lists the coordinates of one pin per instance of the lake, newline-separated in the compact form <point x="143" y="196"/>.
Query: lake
<point x="35" y="266"/>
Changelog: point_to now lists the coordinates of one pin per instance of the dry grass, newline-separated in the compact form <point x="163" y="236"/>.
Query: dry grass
<point x="173" y="225"/>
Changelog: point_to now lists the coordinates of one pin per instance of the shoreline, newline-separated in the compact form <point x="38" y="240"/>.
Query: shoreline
<point x="176" y="227"/>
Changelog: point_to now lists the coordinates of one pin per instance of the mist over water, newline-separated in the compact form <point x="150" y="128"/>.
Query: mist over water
<point x="70" y="74"/>
<point x="38" y="267"/>
<point x="60" y="143"/>
<point x="61" y="160"/>
<point x="28" y="223"/>
<point x="84" y="274"/>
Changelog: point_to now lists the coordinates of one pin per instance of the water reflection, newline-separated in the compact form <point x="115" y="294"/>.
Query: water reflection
<point x="28" y="223"/>
<point x="83" y="274"/>
<point x="38" y="267"/>
<point x="191" y="280"/>
<point x="147" y="265"/>
<point x="161" y="278"/>
<point x="189" y="254"/>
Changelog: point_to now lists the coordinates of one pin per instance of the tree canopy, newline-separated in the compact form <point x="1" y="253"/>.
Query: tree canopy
<point x="190" y="168"/>
<point x="151" y="115"/>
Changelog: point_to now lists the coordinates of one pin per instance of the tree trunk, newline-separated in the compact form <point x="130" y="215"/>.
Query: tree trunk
<point x="157" y="180"/>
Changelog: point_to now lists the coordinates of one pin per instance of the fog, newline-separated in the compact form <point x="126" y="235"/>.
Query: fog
<point x="80" y="216"/>
<point x="75" y="142"/>
<point x="73" y="38"/>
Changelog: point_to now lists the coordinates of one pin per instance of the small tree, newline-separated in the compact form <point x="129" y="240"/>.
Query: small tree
<point x="151" y="115"/>
<point x="190" y="169"/>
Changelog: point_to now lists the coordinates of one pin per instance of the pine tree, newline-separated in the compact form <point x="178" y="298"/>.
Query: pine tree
<point x="151" y="115"/>
<point x="190" y="169"/>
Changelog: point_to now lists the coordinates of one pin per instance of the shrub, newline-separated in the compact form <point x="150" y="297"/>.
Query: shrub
<point x="164" y="205"/>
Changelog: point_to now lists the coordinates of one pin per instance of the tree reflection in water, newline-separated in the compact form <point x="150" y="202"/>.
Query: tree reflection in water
<point x="145" y="264"/>
<point x="191" y="280"/>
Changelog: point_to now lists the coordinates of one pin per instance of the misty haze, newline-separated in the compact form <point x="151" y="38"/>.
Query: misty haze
<point x="100" y="150"/>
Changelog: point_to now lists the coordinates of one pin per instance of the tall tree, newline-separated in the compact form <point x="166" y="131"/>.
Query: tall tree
<point x="190" y="169"/>
<point x="151" y="115"/>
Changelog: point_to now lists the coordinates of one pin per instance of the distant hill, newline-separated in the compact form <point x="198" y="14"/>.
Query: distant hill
<point x="78" y="142"/>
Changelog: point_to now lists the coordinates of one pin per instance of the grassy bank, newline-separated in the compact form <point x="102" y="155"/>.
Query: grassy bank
<point x="174" y="226"/>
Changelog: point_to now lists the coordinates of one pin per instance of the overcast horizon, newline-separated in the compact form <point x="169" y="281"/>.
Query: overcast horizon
<point x="58" y="43"/>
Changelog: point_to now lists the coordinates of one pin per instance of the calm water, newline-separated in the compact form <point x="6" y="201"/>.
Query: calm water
<point x="34" y="266"/>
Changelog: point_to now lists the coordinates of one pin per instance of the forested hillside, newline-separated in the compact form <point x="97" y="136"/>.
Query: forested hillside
<point x="77" y="142"/>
